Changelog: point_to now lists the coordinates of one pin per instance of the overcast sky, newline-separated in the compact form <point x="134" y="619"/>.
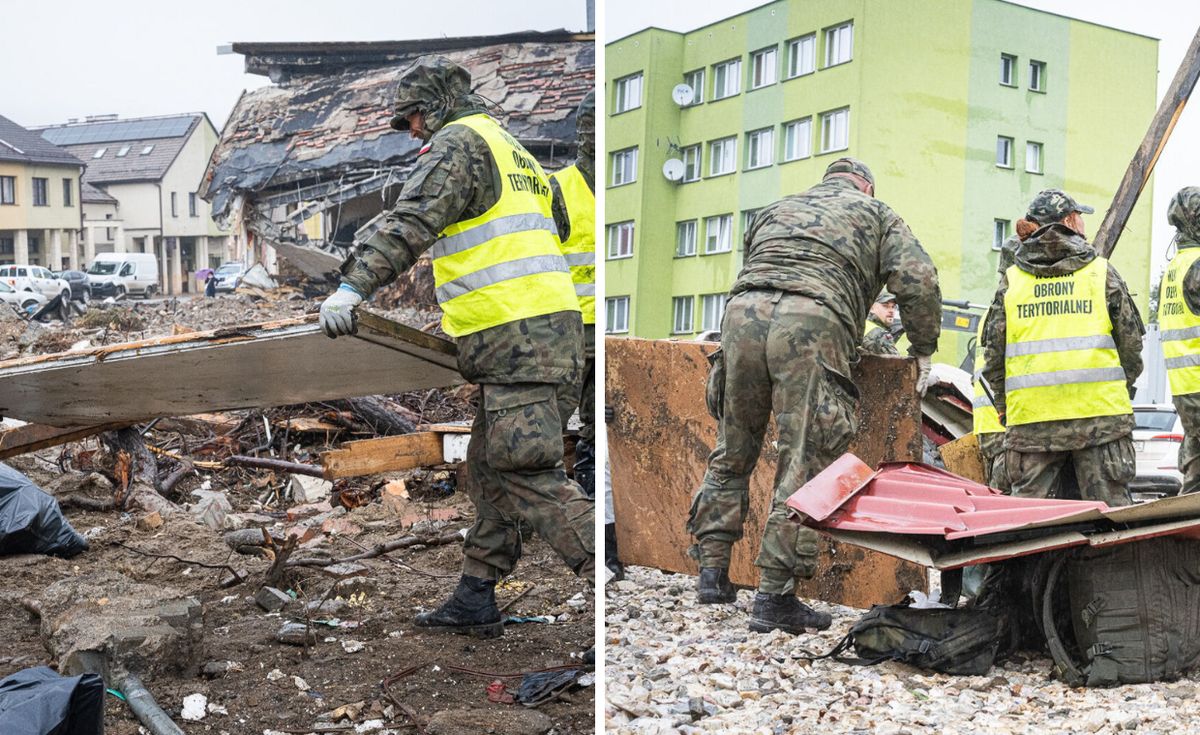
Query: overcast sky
<point x="1174" y="22"/>
<point x="74" y="58"/>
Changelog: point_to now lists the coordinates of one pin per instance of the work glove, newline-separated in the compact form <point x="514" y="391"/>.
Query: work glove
<point x="337" y="311"/>
<point x="924" y="363"/>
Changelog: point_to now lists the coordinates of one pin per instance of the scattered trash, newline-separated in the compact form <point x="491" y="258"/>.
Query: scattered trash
<point x="194" y="707"/>
<point x="540" y="687"/>
<point x="497" y="692"/>
<point x="31" y="521"/>
<point x="274" y="675"/>
<point x="40" y="702"/>
<point x="352" y="646"/>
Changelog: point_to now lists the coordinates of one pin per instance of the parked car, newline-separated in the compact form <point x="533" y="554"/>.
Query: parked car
<point x="229" y="276"/>
<point x="1157" y="436"/>
<point x="36" y="279"/>
<point x="112" y="274"/>
<point x="81" y="286"/>
<point x="26" y="300"/>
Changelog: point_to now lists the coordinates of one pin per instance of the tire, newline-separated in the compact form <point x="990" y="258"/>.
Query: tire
<point x="28" y="303"/>
<point x="85" y="296"/>
<point x="120" y="292"/>
<point x="149" y="292"/>
<point x="66" y="296"/>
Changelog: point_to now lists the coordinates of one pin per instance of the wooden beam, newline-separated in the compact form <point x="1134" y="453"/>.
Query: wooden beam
<point x="32" y="437"/>
<point x="1148" y="152"/>
<point x="387" y="454"/>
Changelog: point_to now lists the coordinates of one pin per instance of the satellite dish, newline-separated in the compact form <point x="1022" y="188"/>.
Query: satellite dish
<point x="683" y="94"/>
<point x="673" y="169"/>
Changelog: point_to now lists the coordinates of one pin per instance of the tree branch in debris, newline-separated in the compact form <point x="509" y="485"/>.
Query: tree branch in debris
<point x="278" y="465"/>
<point x="136" y="472"/>
<point x="380" y="549"/>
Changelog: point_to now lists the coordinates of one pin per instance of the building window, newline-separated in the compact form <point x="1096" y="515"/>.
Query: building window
<point x="8" y="189"/>
<point x="6" y="246"/>
<point x="722" y="156"/>
<point x="683" y="323"/>
<point x="624" y="166"/>
<point x="192" y="208"/>
<point x="839" y="44"/>
<point x="99" y="153"/>
<point x="718" y="234"/>
<point x="760" y="148"/>
<point x="41" y="192"/>
<point x="629" y="93"/>
<point x="620" y="240"/>
<point x="617" y="309"/>
<point x="763" y="67"/>
<point x="1008" y="70"/>
<point x="174" y="204"/>
<point x="999" y="233"/>
<point x="148" y="149"/>
<point x="725" y="78"/>
<point x="1004" y="151"/>
<point x="835" y="130"/>
<point x="797" y="139"/>
<point x="691" y="163"/>
<point x="1033" y="157"/>
<point x="1037" y="76"/>
<point x="685" y="238"/>
<point x="802" y="55"/>
<point x="68" y="193"/>
<point x="124" y="151"/>
<point x="748" y="216"/>
<point x="712" y="309"/>
<point x="695" y="80"/>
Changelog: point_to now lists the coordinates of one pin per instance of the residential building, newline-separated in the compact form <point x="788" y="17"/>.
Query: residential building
<point x="39" y="199"/>
<point x="964" y="110"/>
<point x="140" y="191"/>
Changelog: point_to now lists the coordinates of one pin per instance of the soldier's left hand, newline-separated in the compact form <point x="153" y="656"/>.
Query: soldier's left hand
<point x="337" y="311"/>
<point x="924" y="363"/>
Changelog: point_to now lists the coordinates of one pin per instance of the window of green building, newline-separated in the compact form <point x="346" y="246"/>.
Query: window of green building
<point x="718" y="234"/>
<point x="628" y="93"/>
<point x="712" y="309"/>
<point x="760" y="148"/>
<point x="726" y="78"/>
<point x="695" y="80"/>
<point x="1037" y="76"/>
<point x="620" y="240"/>
<point x="682" y="322"/>
<point x="1000" y="230"/>
<point x="763" y="67"/>
<point x="617" y="313"/>
<point x="1033" y="157"/>
<point x="802" y="56"/>
<point x="797" y="139"/>
<point x="835" y="130"/>
<point x="839" y="44"/>
<point x="722" y="156"/>
<point x="685" y="238"/>
<point x="624" y="167"/>
<point x="1004" y="151"/>
<point x="1008" y="70"/>
<point x="691" y="163"/>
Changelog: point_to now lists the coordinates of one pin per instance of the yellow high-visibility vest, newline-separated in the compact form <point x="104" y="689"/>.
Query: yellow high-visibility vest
<point x="579" y="248"/>
<point x="1179" y="327"/>
<point x="984" y="416"/>
<point x="505" y="264"/>
<point x="1061" y="361"/>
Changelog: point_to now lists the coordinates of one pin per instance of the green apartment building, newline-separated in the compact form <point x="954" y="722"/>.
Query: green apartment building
<point x="964" y="109"/>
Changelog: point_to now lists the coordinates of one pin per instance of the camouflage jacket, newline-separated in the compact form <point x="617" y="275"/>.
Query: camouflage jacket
<point x="1008" y="254"/>
<point x="841" y="247"/>
<point x="878" y="339"/>
<point x="559" y="206"/>
<point x="455" y="180"/>
<point x="1055" y="250"/>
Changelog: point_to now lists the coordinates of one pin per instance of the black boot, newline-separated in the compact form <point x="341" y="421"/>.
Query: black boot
<point x="786" y="613"/>
<point x="714" y="586"/>
<point x="471" y="610"/>
<point x="585" y="467"/>
<point x="611" y="560"/>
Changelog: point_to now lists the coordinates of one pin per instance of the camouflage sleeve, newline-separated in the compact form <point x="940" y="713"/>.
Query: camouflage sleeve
<point x="878" y="341"/>
<point x="434" y="196"/>
<point x="558" y="208"/>
<point x="995" y="340"/>
<point x="912" y="277"/>
<point x="1128" y="329"/>
<point x="1008" y="254"/>
<point x="1191" y="287"/>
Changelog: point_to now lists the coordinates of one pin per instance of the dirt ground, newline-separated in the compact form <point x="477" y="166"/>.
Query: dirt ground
<point x="273" y="687"/>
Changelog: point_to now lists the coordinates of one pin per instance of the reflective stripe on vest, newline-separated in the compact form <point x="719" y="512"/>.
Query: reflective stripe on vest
<point x="580" y="246"/>
<point x="503" y="265"/>
<point x="985" y="418"/>
<point x="1060" y="360"/>
<point x="1180" y="333"/>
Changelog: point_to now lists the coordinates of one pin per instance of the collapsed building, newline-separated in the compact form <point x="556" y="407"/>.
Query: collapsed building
<point x="313" y="155"/>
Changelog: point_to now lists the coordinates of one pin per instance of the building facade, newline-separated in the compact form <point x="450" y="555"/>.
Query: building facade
<point x="39" y="200"/>
<point x="963" y="110"/>
<point x="140" y="191"/>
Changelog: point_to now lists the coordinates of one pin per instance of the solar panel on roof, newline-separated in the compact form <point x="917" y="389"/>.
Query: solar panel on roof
<point x="121" y="130"/>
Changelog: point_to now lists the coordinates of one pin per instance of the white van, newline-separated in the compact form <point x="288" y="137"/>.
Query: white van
<point x="129" y="273"/>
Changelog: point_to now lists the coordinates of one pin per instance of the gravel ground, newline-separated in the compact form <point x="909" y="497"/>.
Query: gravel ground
<point x="673" y="666"/>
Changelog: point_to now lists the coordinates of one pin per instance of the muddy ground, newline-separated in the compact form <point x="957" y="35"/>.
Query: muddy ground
<point x="281" y="688"/>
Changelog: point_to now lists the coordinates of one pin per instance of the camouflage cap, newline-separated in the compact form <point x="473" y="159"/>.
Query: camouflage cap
<point x="1184" y="212"/>
<point x="1052" y="205"/>
<point x="885" y="297"/>
<point x="850" y="166"/>
<point x="430" y="85"/>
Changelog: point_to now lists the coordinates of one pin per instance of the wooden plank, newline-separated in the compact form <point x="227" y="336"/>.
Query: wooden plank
<point x="963" y="458"/>
<point x="32" y="437"/>
<point x="386" y="454"/>
<point x="660" y="439"/>
<point x="1142" y="165"/>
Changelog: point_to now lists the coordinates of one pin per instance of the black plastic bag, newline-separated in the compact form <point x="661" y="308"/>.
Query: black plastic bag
<point x="40" y="702"/>
<point x="31" y="521"/>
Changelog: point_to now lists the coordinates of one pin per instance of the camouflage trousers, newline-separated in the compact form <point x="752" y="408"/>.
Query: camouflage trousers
<point x="782" y="353"/>
<point x="515" y="463"/>
<point x="995" y="469"/>
<point x="585" y="448"/>
<point x="1188" y="407"/>
<point x="1103" y="472"/>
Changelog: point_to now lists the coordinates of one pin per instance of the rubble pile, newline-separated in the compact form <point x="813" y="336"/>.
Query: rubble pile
<point x="673" y="666"/>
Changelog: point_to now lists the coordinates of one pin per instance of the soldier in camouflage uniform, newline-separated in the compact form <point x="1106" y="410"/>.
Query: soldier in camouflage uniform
<point x="526" y="368"/>
<point x="815" y="262"/>
<point x="1098" y="446"/>
<point x="585" y="162"/>
<point x="1184" y="214"/>
<point x="877" y="337"/>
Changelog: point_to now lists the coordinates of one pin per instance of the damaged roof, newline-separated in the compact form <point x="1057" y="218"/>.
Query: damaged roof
<point x="26" y="146"/>
<point x="137" y="149"/>
<point x="329" y="116"/>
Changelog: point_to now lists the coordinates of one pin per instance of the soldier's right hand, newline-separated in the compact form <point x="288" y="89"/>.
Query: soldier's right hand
<point x="924" y="363"/>
<point x="337" y="311"/>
